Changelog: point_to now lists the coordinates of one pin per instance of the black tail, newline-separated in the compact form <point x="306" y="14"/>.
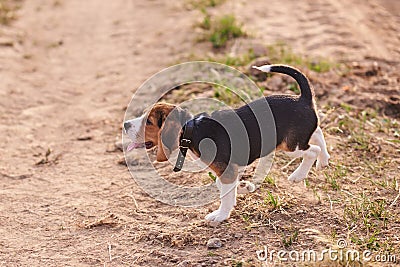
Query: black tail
<point x="301" y="79"/>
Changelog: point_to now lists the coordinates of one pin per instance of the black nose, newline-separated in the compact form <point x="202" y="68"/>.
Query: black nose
<point x="126" y="126"/>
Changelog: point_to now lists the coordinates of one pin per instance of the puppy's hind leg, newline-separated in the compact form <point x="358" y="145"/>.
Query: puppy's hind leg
<point x="317" y="138"/>
<point x="309" y="157"/>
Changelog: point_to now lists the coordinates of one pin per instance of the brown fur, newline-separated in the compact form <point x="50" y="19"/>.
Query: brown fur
<point x="153" y="132"/>
<point x="284" y="147"/>
<point x="226" y="172"/>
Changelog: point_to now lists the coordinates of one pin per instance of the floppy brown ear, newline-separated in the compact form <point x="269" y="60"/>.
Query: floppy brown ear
<point x="168" y="139"/>
<point x="162" y="154"/>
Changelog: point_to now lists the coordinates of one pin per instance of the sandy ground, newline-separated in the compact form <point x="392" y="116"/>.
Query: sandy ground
<point x="66" y="80"/>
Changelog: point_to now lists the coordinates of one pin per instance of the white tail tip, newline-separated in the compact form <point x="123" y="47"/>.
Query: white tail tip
<point x="264" y="68"/>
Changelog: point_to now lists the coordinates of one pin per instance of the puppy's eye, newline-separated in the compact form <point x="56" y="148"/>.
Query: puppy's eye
<point x="148" y="122"/>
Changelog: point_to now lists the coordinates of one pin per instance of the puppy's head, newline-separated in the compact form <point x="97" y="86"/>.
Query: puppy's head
<point x="160" y="126"/>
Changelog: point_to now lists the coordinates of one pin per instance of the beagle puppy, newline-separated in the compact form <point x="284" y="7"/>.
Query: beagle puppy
<point x="292" y="127"/>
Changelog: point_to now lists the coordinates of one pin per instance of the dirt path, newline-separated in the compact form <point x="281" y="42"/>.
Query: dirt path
<point x="76" y="70"/>
<point x="65" y="82"/>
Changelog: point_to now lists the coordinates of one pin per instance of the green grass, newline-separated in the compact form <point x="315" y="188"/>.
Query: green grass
<point x="224" y="29"/>
<point x="255" y="209"/>
<point x="236" y="263"/>
<point x="234" y="95"/>
<point x="227" y="96"/>
<point x="227" y="59"/>
<point x="367" y="218"/>
<point x="234" y="61"/>
<point x="220" y="30"/>
<point x="212" y="176"/>
<point x="294" y="87"/>
<point x="269" y="179"/>
<point x="282" y="53"/>
<point x="203" y="4"/>
<point x="364" y="136"/>
<point x="278" y="53"/>
<point x="275" y="202"/>
<point x="211" y="254"/>
<point x="333" y="176"/>
<point x="288" y="241"/>
<point x="206" y="23"/>
<point x="363" y="177"/>
<point x="356" y="127"/>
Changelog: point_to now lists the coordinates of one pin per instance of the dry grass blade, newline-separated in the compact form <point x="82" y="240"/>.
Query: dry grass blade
<point x="109" y="220"/>
<point x="395" y="200"/>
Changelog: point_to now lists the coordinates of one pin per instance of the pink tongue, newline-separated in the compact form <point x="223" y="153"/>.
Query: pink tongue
<point x="133" y="146"/>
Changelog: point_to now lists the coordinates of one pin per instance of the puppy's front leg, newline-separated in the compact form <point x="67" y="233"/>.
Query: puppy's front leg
<point x="228" y="191"/>
<point x="228" y="199"/>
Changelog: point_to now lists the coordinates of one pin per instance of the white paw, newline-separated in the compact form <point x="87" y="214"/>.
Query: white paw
<point x="297" y="176"/>
<point x="245" y="187"/>
<point x="322" y="161"/>
<point x="217" y="216"/>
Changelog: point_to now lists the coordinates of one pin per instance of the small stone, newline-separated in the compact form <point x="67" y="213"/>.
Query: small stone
<point x="84" y="138"/>
<point x="238" y="235"/>
<point x="122" y="161"/>
<point x="214" y="243"/>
